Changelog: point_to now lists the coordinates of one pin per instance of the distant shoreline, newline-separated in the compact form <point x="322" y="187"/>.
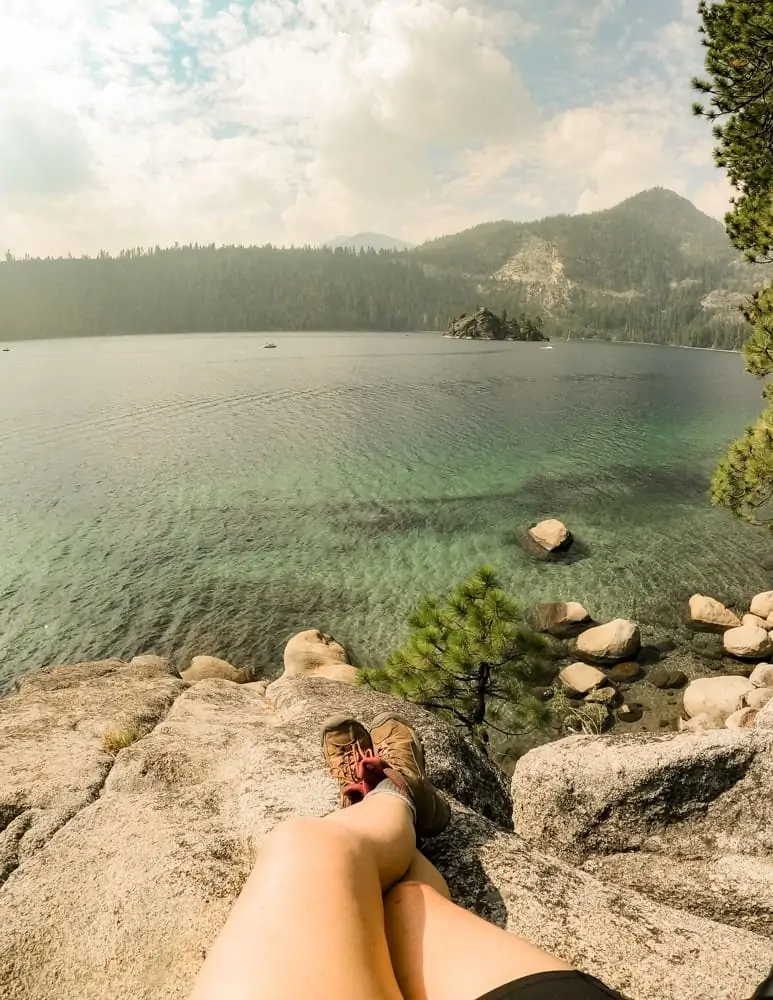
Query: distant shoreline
<point x="594" y="340"/>
<point x="334" y="333"/>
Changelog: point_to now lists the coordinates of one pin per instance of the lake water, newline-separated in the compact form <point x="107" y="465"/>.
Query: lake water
<point x="188" y="494"/>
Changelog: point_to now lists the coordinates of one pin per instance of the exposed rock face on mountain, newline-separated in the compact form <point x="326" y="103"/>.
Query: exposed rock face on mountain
<point x="118" y="869"/>
<point x="484" y="325"/>
<point x="538" y="268"/>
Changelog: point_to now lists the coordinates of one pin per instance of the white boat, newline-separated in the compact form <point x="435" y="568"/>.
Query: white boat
<point x="268" y="344"/>
<point x="546" y="347"/>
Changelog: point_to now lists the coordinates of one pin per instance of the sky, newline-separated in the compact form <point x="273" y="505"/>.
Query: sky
<point x="143" y="122"/>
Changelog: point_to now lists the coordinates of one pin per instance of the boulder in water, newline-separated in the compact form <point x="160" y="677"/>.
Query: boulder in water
<point x="706" y="614"/>
<point x="610" y="643"/>
<point x="581" y="678"/>
<point x="561" y="619"/>
<point x="552" y="536"/>
<point x="210" y="668"/>
<point x="314" y="654"/>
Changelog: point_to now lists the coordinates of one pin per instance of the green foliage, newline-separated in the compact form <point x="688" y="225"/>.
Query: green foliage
<point x="588" y="718"/>
<point x="738" y="37"/>
<point x="469" y="657"/>
<point x="758" y="349"/>
<point x="743" y="482"/>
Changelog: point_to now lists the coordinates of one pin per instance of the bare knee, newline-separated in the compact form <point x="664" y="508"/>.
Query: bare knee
<point x="305" y="838"/>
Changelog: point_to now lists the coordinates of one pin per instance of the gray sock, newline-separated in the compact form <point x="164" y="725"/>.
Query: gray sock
<point x="389" y="787"/>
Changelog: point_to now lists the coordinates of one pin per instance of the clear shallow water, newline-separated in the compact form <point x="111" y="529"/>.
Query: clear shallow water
<point x="189" y="494"/>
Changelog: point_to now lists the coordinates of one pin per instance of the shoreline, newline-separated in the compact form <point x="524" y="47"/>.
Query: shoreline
<point x="592" y="340"/>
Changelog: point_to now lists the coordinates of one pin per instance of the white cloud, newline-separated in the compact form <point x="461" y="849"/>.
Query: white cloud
<point x="154" y="121"/>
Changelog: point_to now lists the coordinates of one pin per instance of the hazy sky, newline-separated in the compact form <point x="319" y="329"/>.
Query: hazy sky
<point x="126" y="122"/>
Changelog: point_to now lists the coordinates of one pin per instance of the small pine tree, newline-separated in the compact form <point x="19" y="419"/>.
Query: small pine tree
<point x="738" y="38"/>
<point x="471" y="658"/>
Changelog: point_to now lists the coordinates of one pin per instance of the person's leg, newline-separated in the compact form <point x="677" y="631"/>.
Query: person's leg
<point x="310" y="920"/>
<point x="441" y="952"/>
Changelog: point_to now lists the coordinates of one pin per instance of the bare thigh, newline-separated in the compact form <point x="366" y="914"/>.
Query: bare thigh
<point x="309" y="924"/>
<point x="442" y="952"/>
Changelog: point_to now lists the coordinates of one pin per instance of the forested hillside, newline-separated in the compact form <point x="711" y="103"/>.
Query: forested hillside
<point x="653" y="269"/>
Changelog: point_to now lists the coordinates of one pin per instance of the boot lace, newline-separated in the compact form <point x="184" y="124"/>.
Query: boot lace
<point x="358" y="771"/>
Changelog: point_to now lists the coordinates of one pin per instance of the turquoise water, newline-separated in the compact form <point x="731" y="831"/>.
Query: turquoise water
<point x="195" y="494"/>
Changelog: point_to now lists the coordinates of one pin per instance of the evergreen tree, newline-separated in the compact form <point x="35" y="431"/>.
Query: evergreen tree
<point x="738" y="36"/>
<point x="469" y="657"/>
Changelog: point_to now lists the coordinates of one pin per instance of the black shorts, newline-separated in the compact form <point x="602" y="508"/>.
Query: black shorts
<point x="554" y="986"/>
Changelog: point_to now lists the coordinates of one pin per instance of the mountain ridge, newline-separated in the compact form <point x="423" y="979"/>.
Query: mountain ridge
<point x="368" y="241"/>
<point x="653" y="269"/>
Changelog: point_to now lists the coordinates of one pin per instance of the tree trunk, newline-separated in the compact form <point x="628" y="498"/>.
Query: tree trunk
<point x="481" y="690"/>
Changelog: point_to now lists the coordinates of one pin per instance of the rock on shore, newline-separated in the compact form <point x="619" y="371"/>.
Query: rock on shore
<point x="118" y="867"/>
<point x="748" y="642"/>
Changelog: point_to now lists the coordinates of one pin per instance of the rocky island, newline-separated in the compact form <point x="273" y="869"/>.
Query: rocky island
<point x="135" y="798"/>
<point x="486" y="325"/>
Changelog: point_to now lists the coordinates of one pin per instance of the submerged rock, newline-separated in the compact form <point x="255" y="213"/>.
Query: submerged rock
<point x="561" y="619"/>
<point x="626" y="672"/>
<point x="710" y="647"/>
<point x="668" y="679"/>
<point x="630" y="713"/>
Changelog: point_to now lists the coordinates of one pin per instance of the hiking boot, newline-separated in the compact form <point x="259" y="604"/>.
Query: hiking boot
<point x="348" y="751"/>
<point x="398" y="746"/>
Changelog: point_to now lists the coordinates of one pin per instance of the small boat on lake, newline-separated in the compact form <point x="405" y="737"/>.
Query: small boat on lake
<point x="268" y="344"/>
